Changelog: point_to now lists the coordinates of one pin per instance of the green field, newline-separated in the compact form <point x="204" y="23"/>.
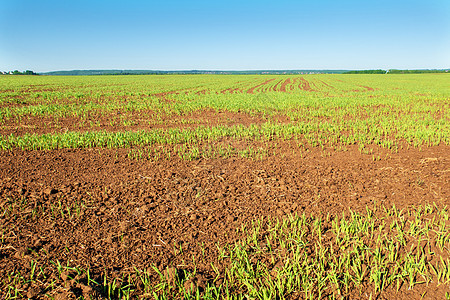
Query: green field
<point x="332" y="110"/>
<point x="183" y="119"/>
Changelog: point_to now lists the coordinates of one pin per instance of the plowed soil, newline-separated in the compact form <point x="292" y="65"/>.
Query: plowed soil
<point x="135" y="213"/>
<point x="255" y="88"/>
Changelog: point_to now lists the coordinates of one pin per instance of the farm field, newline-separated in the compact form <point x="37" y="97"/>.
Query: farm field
<point x="225" y="187"/>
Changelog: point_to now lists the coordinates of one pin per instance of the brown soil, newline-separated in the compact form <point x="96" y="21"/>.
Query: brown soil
<point x="164" y="94"/>
<point x="304" y="84"/>
<point x="252" y="89"/>
<point x="368" y="88"/>
<point x="285" y="83"/>
<point x="137" y="120"/>
<point x="136" y="211"/>
<point x="231" y="91"/>
<point x="275" y="87"/>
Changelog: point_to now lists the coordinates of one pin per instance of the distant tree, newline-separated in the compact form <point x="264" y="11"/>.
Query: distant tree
<point x="366" y="72"/>
<point x="394" y="71"/>
<point x="27" y="72"/>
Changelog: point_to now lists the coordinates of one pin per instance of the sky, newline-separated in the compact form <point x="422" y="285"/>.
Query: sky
<point x="50" y="35"/>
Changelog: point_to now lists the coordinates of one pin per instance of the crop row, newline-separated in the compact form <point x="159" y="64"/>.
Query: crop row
<point x="386" y="134"/>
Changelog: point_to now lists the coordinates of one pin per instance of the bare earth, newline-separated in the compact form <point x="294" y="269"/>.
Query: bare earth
<point x="134" y="212"/>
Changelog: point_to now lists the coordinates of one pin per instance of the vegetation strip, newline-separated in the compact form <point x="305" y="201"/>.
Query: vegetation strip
<point x="314" y="134"/>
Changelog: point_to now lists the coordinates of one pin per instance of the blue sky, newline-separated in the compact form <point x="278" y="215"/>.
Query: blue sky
<point x="49" y="35"/>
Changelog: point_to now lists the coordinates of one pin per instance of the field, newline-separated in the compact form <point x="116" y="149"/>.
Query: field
<point x="225" y="187"/>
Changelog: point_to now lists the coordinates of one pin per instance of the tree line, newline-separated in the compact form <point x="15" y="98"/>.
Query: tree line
<point x="395" y="71"/>
<point x="17" y="72"/>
